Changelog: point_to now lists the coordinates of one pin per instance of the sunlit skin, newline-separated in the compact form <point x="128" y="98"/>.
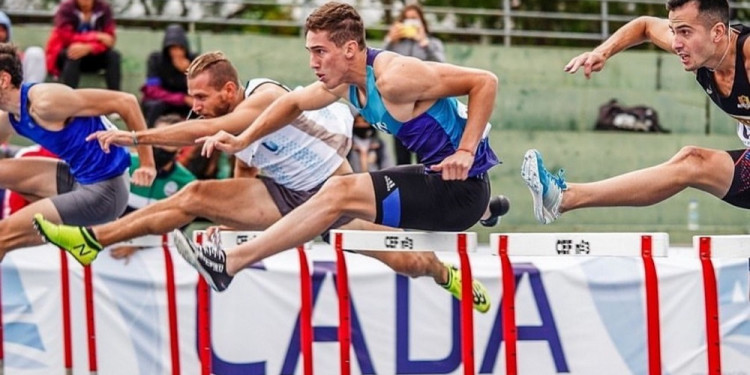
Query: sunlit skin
<point x="696" y="45"/>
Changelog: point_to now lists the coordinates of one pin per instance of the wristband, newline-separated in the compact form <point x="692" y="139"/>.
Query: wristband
<point x="465" y="149"/>
<point x="135" y="138"/>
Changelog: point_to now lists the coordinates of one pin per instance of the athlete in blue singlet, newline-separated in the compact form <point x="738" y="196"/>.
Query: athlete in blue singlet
<point x="698" y="32"/>
<point x="87" y="186"/>
<point x="412" y="99"/>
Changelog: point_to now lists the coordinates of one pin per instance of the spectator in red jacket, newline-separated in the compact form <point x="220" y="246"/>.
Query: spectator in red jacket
<point x="83" y="40"/>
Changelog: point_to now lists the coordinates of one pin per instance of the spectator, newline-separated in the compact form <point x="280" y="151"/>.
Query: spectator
<point x="410" y="36"/>
<point x="368" y="150"/>
<point x="34" y="68"/>
<point x="83" y="40"/>
<point x="171" y="176"/>
<point x="165" y="90"/>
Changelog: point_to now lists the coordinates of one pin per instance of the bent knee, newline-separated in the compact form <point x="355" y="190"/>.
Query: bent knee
<point x="693" y="160"/>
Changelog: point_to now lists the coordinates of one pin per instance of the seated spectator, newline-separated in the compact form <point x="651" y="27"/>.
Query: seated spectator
<point x="165" y="90"/>
<point x="171" y="176"/>
<point x="83" y="40"/>
<point x="34" y="68"/>
<point x="368" y="151"/>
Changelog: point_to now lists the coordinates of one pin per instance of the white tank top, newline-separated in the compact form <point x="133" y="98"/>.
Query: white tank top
<point x="304" y="153"/>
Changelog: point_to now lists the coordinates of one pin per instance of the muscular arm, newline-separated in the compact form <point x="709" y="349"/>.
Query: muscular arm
<point x="637" y="31"/>
<point x="407" y="80"/>
<point x="186" y="132"/>
<point x="53" y="104"/>
<point x="283" y="111"/>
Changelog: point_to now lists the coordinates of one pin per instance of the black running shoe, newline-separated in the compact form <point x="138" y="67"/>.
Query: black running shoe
<point x="208" y="259"/>
<point x="499" y="206"/>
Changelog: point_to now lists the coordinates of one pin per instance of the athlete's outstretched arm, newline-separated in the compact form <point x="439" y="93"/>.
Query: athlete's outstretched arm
<point x="283" y="111"/>
<point x="409" y="80"/>
<point x="55" y="103"/>
<point x="637" y="31"/>
<point x="186" y="132"/>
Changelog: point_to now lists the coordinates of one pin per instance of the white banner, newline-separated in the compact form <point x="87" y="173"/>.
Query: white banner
<point x="580" y="315"/>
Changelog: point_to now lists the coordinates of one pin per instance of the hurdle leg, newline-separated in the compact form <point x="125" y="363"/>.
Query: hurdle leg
<point x="67" y="336"/>
<point x="713" y="340"/>
<point x="509" y="333"/>
<point x="342" y="286"/>
<point x="171" y="307"/>
<point x="306" y="331"/>
<point x="467" y="308"/>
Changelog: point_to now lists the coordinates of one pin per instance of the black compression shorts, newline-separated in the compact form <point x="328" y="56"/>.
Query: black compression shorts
<point x="408" y="198"/>
<point x="739" y="192"/>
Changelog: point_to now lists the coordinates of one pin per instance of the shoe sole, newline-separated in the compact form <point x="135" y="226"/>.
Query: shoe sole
<point x="185" y="248"/>
<point x="530" y="175"/>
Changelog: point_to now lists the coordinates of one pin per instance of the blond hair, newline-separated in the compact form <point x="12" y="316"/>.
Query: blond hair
<point x="216" y="63"/>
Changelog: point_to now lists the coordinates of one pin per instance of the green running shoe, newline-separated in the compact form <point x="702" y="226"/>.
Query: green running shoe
<point x="75" y="240"/>
<point x="481" y="299"/>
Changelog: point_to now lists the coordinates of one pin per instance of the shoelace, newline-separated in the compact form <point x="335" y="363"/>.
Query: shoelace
<point x="212" y="252"/>
<point x="559" y="179"/>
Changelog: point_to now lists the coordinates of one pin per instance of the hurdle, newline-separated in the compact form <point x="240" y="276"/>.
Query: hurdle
<point x="461" y="242"/>
<point x="163" y="241"/>
<point x="644" y="245"/>
<point x="230" y="239"/>
<point x="708" y="248"/>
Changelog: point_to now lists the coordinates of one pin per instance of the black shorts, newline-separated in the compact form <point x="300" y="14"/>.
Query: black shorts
<point x="408" y="198"/>
<point x="739" y="192"/>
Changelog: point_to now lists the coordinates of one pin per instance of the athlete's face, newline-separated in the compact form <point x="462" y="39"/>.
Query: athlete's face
<point x="329" y="62"/>
<point x="695" y="44"/>
<point x="207" y="100"/>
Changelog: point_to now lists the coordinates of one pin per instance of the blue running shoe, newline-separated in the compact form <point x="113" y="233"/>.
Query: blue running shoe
<point x="546" y="188"/>
<point x="208" y="259"/>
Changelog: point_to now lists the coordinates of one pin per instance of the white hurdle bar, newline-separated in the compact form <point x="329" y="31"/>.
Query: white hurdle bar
<point x="707" y="248"/>
<point x="461" y="242"/>
<point x="231" y="239"/>
<point x="644" y="245"/>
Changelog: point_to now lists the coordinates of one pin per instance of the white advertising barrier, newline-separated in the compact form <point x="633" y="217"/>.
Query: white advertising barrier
<point x="708" y="248"/>
<point x="460" y="243"/>
<point x="574" y="314"/>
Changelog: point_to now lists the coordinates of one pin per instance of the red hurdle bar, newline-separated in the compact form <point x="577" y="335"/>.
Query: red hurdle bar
<point x="90" y="322"/>
<point x="713" y="340"/>
<point x="171" y="306"/>
<point x="203" y="319"/>
<point x="67" y="337"/>
<point x="342" y="285"/>
<point x="510" y="333"/>
<point x="652" y="306"/>
<point x="467" y="307"/>
<point x="305" y="319"/>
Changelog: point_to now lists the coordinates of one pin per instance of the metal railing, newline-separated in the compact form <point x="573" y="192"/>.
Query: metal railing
<point x="480" y="24"/>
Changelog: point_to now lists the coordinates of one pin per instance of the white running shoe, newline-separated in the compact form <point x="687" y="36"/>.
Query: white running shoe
<point x="546" y="188"/>
<point x="208" y="259"/>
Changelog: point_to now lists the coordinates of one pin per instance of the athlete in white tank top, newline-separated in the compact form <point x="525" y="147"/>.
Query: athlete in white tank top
<point x="303" y="154"/>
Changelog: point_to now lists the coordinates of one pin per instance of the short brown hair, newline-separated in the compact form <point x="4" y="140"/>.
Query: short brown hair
<point x="709" y="11"/>
<point x="221" y="69"/>
<point x="11" y="63"/>
<point x="341" y="21"/>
